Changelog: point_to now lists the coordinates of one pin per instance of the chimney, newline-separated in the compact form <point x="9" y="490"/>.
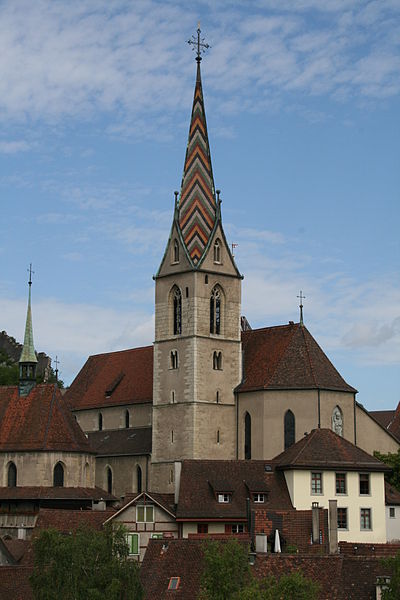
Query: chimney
<point x="177" y="479"/>
<point x="315" y="523"/>
<point x="333" y="532"/>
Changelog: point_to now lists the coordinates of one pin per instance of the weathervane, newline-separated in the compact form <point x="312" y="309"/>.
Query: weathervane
<point x="198" y="43"/>
<point x="301" y="306"/>
<point x="30" y="274"/>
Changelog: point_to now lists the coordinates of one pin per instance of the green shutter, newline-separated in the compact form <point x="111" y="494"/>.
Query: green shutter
<point x="140" y="514"/>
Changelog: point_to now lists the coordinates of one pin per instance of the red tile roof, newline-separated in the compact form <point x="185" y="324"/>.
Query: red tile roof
<point x="14" y="583"/>
<point x="340" y="577"/>
<point x="384" y="417"/>
<point x="287" y="357"/>
<point x="54" y="493"/>
<point x="176" y="558"/>
<point x="324" y="449"/>
<point x="40" y="421"/>
<point x="20" y="550"/>
<point x="121" y="442"/>
<point x="202" y="480"/>
<point x="71" y="520"/>
<point x="113" y="379"/>
<point x="394" y="426"/>
<point x="392" y="495"/>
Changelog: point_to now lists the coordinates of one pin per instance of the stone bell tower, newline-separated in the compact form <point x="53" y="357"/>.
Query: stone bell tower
<point x="197" y="348"/>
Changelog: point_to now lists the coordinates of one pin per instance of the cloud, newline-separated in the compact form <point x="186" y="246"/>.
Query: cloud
<point x="78" y="330"/>
<point x="57" y="65"/>
<point x="12" y="147"/>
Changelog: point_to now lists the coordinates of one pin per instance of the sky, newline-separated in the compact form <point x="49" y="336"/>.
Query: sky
<point x="302" y="104"/>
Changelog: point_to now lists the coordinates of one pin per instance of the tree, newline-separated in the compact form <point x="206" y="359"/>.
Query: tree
<point x="392" y="459"/>
<point x="227" y="575"/>
<point x="226" y="571"/>
<point x="391" y="591"/>
<point x="85" y="565"/>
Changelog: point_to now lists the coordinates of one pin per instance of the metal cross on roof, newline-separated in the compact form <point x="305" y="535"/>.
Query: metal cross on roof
<point x="30" y="273"/>
<point x="199" y="42"/>
<point x="56" y="362"/>
<point x="301" y="306"/>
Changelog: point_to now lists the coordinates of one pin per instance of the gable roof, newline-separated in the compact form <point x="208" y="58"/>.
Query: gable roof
<point x="121" y="442"/>
<point x="394" y="426"/>
<point x="113" y="379"/>
<point x="70" y="520"/>
<point x="324" y="449"/>
<point x="202" y="480"/>
<point x="39" y="421"/>
<point x="384" y="417"/>
<point x="287" y="357"/>
<point x="392" y="495"/>
<point x="165" y="501"/>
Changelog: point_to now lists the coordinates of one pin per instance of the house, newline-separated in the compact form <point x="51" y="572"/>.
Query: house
<point x="146" y="516"/>
<point x="326" y="469"/>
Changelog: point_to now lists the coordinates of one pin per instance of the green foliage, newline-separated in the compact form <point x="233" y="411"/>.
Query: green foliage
<point x="392" y="591"/>
<point x="393" y="461"/>
<point x="226" y="571"/>
<point x="85" y="565"/>
<point x="227" y="576"/>
<point x="9" y="374"/>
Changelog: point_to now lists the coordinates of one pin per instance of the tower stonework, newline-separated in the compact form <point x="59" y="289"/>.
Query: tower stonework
<point x="197" y="348"/>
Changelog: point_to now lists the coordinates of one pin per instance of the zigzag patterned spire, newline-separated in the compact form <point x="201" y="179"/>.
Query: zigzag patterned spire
<point x="197" y="205"/>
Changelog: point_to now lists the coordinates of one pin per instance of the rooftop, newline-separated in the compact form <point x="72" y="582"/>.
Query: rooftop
<point x="287" y="357"/>
<point x="121" y="442"/>
<point x="324" y="449"/>
<point x="39" y="421"/>
<point x="113" y="379"/>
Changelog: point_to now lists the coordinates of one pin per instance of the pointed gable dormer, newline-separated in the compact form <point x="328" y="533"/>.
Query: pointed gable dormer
<point x="28" y="360"/>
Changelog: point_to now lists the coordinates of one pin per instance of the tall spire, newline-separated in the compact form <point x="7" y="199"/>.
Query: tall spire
<point x="301" y="297"/>
<point x="197" y="203"/>
<point x="28" y="360"/>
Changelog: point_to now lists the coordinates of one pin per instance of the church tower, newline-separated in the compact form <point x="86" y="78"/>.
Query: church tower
<point x="197" y="348"/>
<point x="28" y="360"/>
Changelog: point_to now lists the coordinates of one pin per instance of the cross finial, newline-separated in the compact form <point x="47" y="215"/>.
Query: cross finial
<point x="198" y="43"/>
<point x="56" y="362"/>
<point x="301" y="306"/>
<point x="30" y="274"/>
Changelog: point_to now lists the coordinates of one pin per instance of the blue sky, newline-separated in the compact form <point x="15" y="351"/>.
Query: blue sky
<point x="302" y="102"/>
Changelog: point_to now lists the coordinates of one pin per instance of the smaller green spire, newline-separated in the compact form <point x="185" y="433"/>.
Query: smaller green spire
<point x="28" y="360"/>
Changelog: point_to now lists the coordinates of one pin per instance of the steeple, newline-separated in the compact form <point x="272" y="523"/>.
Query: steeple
<point x="28" y="360"/>
<point x="197" y="208"/>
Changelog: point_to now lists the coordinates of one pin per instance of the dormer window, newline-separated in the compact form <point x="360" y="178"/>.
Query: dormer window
<point x="224" y="498"/>
<point x="259" y="498"/>
<point x="217" y="251"/>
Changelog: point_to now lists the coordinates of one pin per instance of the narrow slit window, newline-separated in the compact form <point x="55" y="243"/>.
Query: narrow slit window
<point x="177" y="311"/>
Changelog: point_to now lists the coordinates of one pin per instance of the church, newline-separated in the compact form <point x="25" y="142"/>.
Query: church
<point x="209" y="388"/>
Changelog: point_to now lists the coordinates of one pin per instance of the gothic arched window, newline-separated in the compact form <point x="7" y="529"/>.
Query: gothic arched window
<point x="289" y="429"/>
<point x="58" y="475"/>
<point x="217" y="251"/>
<point x="247" y="436"/>
<point x="215" y="310"/>
<point x="12" y="475"/>
<point x="217" y="361"/>
<point x="175" y="254"/>
<point x="139" y="479"/>
<point x="109" y="477"/>
<point x="177" y="310"/>
<point x="100" y="422"/>
<point x="174" y="359"/>
<point x="127" y="417"/>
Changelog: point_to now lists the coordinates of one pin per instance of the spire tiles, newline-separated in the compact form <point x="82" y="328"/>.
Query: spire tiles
<point x="197" y="204"/>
